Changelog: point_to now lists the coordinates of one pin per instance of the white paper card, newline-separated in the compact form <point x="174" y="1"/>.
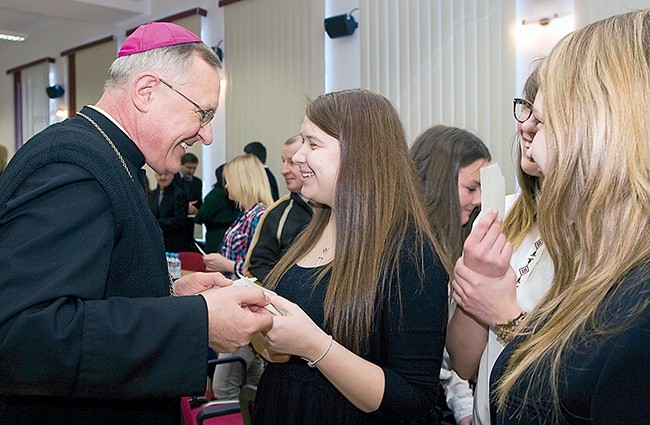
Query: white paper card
<point x="245" y="281"/>
<point x="493" y="191"/>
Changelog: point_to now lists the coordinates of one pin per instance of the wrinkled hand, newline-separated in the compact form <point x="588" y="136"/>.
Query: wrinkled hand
<point x="194" y="283"/>
<point x="235" y="315"/>
<point x="261" y="346"/>
<point x="215" y="262"/>
<point x="191" y="208"/>
<point x="486" y="249"/>
<point x="294" y="332"/>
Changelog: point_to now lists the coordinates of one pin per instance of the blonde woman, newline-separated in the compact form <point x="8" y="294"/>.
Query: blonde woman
<point x="474" y="346"/>
<point x="247" y="185"/>
<point x="583" y="355"/>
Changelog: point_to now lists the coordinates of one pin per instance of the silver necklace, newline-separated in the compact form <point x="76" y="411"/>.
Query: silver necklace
<point x="110" y="142"/>
<point x="321" y="257"/>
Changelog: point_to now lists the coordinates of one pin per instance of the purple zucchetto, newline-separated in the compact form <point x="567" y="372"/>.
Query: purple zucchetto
<point x="155" y="35"/>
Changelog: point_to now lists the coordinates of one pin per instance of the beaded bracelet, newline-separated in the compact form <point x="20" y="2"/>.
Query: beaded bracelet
<point x="506" y="331"/>
<point x="329" y="345"/>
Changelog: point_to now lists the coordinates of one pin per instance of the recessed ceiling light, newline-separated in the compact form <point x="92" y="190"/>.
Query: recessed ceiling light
<point x="12" y="36"/>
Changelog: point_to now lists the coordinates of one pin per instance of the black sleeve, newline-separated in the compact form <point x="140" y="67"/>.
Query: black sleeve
<point x="59" y="335"/>
<point x="413" y="338"/>
<point x="620" y="395"/>
<point x="265" y="251"/>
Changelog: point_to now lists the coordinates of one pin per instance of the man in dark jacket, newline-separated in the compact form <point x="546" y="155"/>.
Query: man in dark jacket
<point x="283" y="221"/>
<point x="89" y="332"/>
<point x="168" y="204"/>
<point x="193" y="188"/>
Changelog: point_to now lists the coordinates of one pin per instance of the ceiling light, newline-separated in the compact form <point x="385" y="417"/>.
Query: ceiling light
<point x="12" y="36"/>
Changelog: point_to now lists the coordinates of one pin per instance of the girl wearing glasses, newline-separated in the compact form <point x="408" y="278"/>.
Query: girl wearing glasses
<point x="475" y="345"/>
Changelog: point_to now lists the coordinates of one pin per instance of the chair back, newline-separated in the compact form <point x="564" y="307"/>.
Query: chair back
<point x="192" y="261"/>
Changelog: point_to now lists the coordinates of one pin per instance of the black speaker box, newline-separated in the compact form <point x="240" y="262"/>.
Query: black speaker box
<point x="54" y="91"/>
<point x="340" y="25"/>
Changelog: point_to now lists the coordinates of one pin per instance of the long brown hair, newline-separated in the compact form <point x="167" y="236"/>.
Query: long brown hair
<point x="379" y="203"/>
<point x="439" y="153"/>
<point x="594" y="216"/>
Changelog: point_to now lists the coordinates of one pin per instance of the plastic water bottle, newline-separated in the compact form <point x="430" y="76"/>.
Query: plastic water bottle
<point x="177" y="266"/>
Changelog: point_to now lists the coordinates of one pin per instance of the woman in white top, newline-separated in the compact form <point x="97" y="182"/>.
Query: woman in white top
<point x="472" y="343"/>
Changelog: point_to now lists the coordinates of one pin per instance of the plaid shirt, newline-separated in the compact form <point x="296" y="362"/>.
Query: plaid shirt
<point x="239" y="235"/>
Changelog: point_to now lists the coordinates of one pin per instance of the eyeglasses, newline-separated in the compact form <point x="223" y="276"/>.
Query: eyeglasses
<point x="522" y="109"/>
<point x="206" y="115"/>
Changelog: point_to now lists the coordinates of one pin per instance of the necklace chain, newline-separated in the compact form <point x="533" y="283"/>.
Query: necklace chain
<point x="110" y="142"/>
<point x="321" y="257"/>
<point x="119" y="155"/>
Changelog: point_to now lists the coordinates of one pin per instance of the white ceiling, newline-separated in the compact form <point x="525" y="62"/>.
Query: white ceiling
<point x="26" y="16"/>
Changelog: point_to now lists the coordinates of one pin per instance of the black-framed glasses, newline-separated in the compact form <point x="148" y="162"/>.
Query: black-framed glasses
<point x="522" y="109"/>
<point x="206" y="114"/>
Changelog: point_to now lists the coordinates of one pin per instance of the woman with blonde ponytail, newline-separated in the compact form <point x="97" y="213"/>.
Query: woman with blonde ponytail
<point x="583" y="355"/>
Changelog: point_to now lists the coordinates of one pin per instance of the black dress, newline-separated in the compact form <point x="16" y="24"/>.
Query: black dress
<point x="603" y="378"/>
<point x="407" y="343"/>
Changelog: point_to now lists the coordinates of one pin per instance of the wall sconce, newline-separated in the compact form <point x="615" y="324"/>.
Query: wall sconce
<point x="341" y="25"/>
<point x="541" y="21"/>
<point x="218" y="50"/>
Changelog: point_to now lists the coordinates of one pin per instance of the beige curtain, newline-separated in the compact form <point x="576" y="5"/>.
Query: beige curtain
<point x="273" y="60"/>
<point x="445" y="62"/>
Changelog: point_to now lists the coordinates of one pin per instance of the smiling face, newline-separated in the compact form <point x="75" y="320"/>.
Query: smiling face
<point x="538" y="150"/>
<point x="176" y="121"/>
<point x="526" y="131"/>
<point x="318" y="159"/>
<point x="469" y="188"/>
<point x="290" y="170"/>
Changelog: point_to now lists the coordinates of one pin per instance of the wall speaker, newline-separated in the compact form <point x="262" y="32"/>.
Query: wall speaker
<point x="340" y="25"/>
<point x="54" y="91"/>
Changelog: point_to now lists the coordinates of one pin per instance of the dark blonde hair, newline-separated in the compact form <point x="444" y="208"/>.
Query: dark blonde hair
<point x="376" y="212"/>
<point x="593" y="218"/>
<point x="246" y="181"/>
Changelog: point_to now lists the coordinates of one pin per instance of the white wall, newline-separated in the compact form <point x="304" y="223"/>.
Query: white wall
<point x="342" y="55"/>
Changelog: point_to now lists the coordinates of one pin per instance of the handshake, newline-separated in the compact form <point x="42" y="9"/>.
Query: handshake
<point x="237" y="310"/>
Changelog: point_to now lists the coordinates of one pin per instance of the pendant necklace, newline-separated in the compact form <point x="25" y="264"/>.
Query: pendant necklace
<point x="322" y="256"/>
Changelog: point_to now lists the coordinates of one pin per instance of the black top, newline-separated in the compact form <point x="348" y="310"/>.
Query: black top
<point x="193" y="189"/>
<point x="279" y="226"/>
<point x="171" y="213"/>
<point x="407" y="343"/>
<point x="88" y="331"/>
<point x="603" y="378"/>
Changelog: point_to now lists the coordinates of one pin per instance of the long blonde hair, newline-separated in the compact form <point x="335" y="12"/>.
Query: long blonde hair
<point x="594" y="208"/>
<point x="246" y="181"/>
<point x="376" y="215"/>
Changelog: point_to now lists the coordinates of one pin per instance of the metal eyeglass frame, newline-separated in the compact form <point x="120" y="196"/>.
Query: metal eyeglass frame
<point x="206" y="114"/>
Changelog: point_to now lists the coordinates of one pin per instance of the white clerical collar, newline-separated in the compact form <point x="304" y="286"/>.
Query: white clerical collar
<point x="107" y="115"/>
